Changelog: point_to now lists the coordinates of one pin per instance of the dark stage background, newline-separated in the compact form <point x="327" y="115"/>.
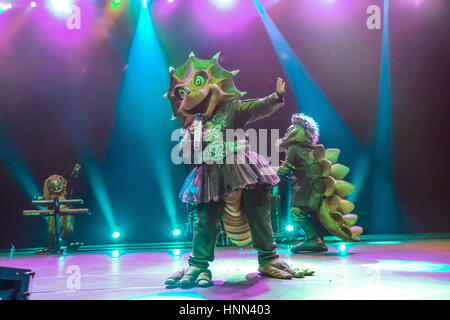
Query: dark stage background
<point x="65" y="98"/>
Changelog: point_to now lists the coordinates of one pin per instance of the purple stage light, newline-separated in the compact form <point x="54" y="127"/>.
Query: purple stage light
<point x="216" y="18"/>
<point x="164" y="7"/>
<point x="224" y="4"/>
<point x="5" y="6"/>
<point x="226" y="16"/>
<point x="60" y="5"/>
<point x="79" y="15"/>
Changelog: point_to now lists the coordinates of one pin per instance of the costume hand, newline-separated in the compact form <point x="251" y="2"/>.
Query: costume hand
<point x="282" y="170"/>
<point x="76" y="170"/>
<point x="281" y="88"/>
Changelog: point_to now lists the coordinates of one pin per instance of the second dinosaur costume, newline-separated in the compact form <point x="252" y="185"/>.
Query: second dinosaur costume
<point x="56" y="186"/>
<point x="232" y="181"/>
<point x="318" y="188"/>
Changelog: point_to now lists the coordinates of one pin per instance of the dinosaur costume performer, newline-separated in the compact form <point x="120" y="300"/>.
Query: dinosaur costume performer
<point x="317" y="186"/>
<point x="206" y="102"/>
<point x="57" y="186"/>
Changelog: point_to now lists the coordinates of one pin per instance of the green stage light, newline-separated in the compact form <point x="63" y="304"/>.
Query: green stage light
<point x="147" y="125"/>
<point x="384" y="217"/>
<point x="115" y="4"/>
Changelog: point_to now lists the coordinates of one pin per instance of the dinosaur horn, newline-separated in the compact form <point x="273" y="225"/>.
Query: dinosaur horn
<point x="165" y="95"/>
<point x="191" y="55"/>
<point x="216" y="56"/>
<point x="235" y="72"/>
<point x="171" y="69"/>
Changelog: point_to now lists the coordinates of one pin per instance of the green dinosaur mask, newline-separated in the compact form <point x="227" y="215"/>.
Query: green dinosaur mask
<point x="199" y="87"/>
<point x="303" y="129"/>
<point x="294" y="134"/>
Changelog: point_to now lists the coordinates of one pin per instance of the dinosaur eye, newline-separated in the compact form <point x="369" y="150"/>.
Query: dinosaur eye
<point x="199" y="81"/>
<point x="180" y="93"/>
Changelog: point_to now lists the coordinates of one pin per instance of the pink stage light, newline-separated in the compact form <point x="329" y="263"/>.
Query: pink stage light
<point x="226" y="16"/>
<point x="163" y="8"/>
<point x="60" y="5"/>
<point x="224" y="4"/>
<point x="5" y="6"/>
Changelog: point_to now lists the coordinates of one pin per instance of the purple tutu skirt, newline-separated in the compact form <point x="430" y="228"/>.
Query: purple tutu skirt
<point x="211" y="182"/>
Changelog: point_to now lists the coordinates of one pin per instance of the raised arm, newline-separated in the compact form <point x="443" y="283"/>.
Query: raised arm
<point x="255" y="109"/>
<point x="72" y="180"/>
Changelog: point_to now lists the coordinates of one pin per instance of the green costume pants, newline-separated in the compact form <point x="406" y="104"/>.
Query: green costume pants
<point x="256" y="207"/>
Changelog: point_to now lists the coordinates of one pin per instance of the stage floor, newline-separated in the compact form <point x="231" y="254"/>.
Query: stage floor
<point x="396" y="269"/>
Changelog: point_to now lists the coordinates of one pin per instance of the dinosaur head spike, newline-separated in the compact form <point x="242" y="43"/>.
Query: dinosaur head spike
<point x="243" y="93"/>
<point x="165" y="95"/>
<point x="235" y="72"/>
<point x="216" y="56"/>
<point x="171" y="69"/>
<point x="216" y="88"/>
